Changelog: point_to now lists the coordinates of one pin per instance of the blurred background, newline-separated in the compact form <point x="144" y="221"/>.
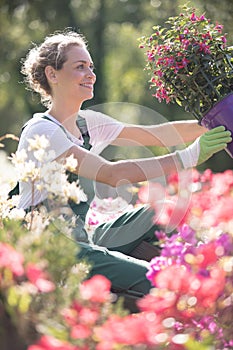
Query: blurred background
<point x="112" y="28"/>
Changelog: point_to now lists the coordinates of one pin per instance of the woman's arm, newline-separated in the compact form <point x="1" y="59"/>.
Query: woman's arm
<point x="121" y="172"/>
<point x="165" y="135"/>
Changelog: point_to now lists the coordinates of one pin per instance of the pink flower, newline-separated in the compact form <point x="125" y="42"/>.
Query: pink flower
<point x="207" y="175"/>
<point x="96" y="289"/>
<point x="152" y="193"/>
<point x="93" y="221"/>
<point x="47" y="342"/>
<point x="224" y="39"/>
<point x="193" y="17"/>
<point x="207" y="36"/>
<point x="161" y="303"/>
<point x="38" y="277"/>
<point x="80" y="331"/>
<point x="204" y="47"/>
<point x="88" y="316"/>
<point x="222" y="183"/>
<point x="11" y="259"/>
<point x="151" y="56"/>
<point x="129" y="330"/>
<point x="219" y="27"/>
<point x="70" y="315"/>
<point x="202" y="18"/>
<point x="174" y="278"/>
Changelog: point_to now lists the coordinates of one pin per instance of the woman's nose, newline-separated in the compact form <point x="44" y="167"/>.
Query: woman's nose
<point x="91" y="73"/>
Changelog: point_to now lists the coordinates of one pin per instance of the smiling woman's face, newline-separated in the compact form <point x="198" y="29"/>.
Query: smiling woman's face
<point x="76" y="78"/>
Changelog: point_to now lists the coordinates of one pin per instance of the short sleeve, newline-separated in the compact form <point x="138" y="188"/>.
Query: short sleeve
<point x="58" y="144"/>
<point x="58" y="141"/>
<point x="103" y="130"/>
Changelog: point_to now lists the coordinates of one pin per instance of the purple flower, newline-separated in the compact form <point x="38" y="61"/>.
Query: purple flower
<point x="187" y="234"/>
<point x="161" y="235"/>
<point x="226" y="242"/>
<point x="156" y="264"/>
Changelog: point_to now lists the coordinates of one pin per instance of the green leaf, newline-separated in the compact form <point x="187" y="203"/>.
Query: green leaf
<point x="192" y="344"/>
<point x="24" y="303"/>
<point x="12" y="297"/>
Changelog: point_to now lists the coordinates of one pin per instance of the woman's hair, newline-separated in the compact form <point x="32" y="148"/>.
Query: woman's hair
<point x="52" y="52"/>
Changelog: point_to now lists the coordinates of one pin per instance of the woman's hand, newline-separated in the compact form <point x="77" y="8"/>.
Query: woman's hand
<point x="213" y="141"/>
<point x="205" y="146"/>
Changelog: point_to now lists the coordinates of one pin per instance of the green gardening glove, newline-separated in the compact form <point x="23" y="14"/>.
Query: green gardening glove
<point x="204" y="147"/>
<point x="213" y="141"/>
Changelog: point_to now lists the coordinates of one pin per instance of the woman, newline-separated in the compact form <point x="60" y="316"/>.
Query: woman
<point x="61" y="71"/>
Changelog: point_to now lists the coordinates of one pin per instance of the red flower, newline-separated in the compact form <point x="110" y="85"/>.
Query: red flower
<point x="207" y="255"/>
<point x="96" y="289"/>
<point x="211" y="287"/>
<point x="37" y="277"/>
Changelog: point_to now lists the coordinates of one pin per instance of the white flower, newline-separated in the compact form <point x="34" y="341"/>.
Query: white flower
<point x="19" y="157"/>
<point x="51" y="171"/>
<point x="39" y="154"/>
<point x="16" y="214"/>
<point x="38" y="142"/>
<point x="38" y="223"/>
<point x="28" y="171"/>
<point x="71" y="163"/>
<point x="49" y="155"/>
<point x="72" y="191"/>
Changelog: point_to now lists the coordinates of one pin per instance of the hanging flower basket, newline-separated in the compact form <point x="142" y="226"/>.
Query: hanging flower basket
<point x="190" y="64"/>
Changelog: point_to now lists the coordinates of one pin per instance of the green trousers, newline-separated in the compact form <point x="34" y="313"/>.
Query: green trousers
<point x="110" y="250"/>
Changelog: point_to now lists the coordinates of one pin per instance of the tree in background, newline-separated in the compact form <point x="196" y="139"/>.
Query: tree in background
<point x="112" y="28"/>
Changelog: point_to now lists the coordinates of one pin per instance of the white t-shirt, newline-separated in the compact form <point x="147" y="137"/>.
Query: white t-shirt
<point x="103" y="130"/>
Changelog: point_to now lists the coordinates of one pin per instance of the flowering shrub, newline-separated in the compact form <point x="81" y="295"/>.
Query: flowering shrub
<point x="46" y="302"/>
<point x="195" y="285"/>
<point x="189" y="62"/>
<point x="30" y="272"/>
<point x="193" y="275"/>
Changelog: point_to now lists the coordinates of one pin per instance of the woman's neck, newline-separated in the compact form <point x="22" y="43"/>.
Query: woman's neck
<point x="67" y="119"/>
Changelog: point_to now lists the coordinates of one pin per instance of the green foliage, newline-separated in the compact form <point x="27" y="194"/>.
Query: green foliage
<point x="192" y="344"/>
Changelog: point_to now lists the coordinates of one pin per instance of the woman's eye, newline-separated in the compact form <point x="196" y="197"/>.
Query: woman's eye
<point x="82" y="66"/>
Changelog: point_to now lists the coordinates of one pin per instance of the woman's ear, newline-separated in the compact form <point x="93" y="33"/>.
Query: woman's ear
<point x="50" y="73"/>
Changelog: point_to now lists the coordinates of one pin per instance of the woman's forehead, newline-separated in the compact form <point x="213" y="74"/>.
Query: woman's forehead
<point x="77" y="53"/>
